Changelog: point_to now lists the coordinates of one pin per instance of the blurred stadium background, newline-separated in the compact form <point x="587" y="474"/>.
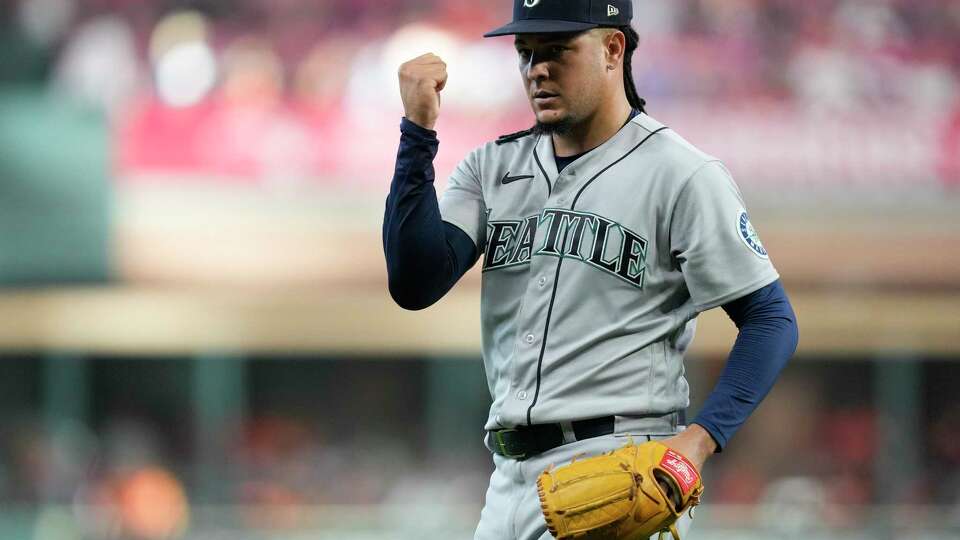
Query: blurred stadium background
<point x="196" y="338"/>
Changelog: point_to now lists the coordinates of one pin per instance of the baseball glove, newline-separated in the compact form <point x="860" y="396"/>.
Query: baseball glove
<point x="629" y="494"/>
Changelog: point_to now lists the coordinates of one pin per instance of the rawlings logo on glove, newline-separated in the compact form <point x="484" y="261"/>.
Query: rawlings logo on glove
<point x="683" y="471"/>
<point x="629" y="494"/>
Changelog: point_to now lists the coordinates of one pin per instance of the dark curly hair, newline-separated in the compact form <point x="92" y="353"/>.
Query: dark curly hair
<point x="633" y="41"/>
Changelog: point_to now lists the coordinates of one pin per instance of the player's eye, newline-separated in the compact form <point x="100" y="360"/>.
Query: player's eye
<point x="557" y="50"/>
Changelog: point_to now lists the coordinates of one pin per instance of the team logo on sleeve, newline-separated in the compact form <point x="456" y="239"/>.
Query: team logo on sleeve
<point x="749" y="235"/>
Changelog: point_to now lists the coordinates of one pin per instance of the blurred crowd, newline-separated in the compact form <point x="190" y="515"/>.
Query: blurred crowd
<point x="823" y="51"/>
<point x="132" y="478"/>
<point x="810" y="454"/>
<point x="272" y="88"/>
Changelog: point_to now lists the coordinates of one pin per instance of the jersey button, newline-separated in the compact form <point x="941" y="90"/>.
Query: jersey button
<point x="521" y="395"/>
<point x="542" y="281"/>
<point x="529" y="338"/>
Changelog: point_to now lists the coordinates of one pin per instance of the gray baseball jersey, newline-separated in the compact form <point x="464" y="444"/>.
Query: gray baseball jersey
<point x="593" y="278"/>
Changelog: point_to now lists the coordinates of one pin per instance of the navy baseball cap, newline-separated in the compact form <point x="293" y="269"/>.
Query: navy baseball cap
<point x="562" y="16"/>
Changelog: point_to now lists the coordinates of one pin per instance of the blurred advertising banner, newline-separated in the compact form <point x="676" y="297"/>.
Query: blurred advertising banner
<point x="768" y="145"/>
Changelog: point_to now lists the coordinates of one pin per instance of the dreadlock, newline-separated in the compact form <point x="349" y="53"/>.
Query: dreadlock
<point x="629" y="85"/>
<point x="633" y="41"/>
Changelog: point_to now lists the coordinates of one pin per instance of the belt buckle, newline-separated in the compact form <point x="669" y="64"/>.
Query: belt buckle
<point x="498" y="439"/>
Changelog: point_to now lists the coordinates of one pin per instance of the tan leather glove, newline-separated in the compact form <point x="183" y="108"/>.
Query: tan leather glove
<point x="629" y="494"/>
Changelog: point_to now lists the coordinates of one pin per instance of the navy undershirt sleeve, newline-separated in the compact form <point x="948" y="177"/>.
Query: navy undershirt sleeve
<point x="767" y="339"/>
<point x="425" y="255"/>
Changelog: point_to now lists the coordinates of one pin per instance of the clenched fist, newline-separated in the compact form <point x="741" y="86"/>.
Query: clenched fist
<point x="421" y="81"/>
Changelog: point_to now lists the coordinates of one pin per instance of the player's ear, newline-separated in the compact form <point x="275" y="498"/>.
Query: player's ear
<point x="615" y="47"/>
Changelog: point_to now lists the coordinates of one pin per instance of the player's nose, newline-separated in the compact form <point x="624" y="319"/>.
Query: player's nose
<point x="537" y="71"/>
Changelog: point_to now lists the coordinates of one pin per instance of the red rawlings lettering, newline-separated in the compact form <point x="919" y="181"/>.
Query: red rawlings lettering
<point x="682" y="470"/>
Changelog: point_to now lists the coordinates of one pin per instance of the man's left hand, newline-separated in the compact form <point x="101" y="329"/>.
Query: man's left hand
<point x="694" y="443"/>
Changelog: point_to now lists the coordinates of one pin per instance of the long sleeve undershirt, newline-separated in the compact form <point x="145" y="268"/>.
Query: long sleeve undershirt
<point x="427" y="256"/>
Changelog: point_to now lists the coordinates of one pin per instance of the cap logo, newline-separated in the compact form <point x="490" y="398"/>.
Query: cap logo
<point x="530" y="3"/>
<point x="612" y="11"/>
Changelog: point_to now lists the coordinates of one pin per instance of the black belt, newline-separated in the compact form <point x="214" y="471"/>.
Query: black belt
<point x="524" y="442"/>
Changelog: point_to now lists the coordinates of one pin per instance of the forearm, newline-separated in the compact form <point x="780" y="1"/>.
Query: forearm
<point x="424" y="255"/>
<point x="767" y="340"/>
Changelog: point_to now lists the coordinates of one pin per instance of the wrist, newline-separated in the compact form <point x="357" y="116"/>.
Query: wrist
<point x="417" y="132"/>
<point x="705" y="443"/>
<point x="422" y="123"/>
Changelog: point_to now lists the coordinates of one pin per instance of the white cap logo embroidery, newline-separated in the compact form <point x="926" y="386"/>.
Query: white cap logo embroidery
<point x="612" y="11"/>
<point x="530" y="3"/>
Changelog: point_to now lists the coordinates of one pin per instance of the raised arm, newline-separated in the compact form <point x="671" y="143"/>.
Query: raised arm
<point x="425" y="256"/>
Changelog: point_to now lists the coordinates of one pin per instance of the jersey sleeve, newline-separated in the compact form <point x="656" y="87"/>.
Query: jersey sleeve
<point x="711" y="237"/>
<point x="462" y="204"/>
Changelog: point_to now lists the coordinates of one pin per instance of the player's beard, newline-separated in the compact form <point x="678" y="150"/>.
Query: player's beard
<point x="558" y="127"/>
<point x="566" y="123"/>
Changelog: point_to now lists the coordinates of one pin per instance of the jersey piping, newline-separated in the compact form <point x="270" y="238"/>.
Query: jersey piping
<point x="546" y="176"/>
<point x="556" y="279"/>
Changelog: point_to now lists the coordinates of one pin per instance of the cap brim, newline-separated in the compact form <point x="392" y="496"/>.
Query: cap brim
<point x="540" y="26"/>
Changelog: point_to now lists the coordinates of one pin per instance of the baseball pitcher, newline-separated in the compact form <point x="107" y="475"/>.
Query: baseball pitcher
<point x="602" y="234"/>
